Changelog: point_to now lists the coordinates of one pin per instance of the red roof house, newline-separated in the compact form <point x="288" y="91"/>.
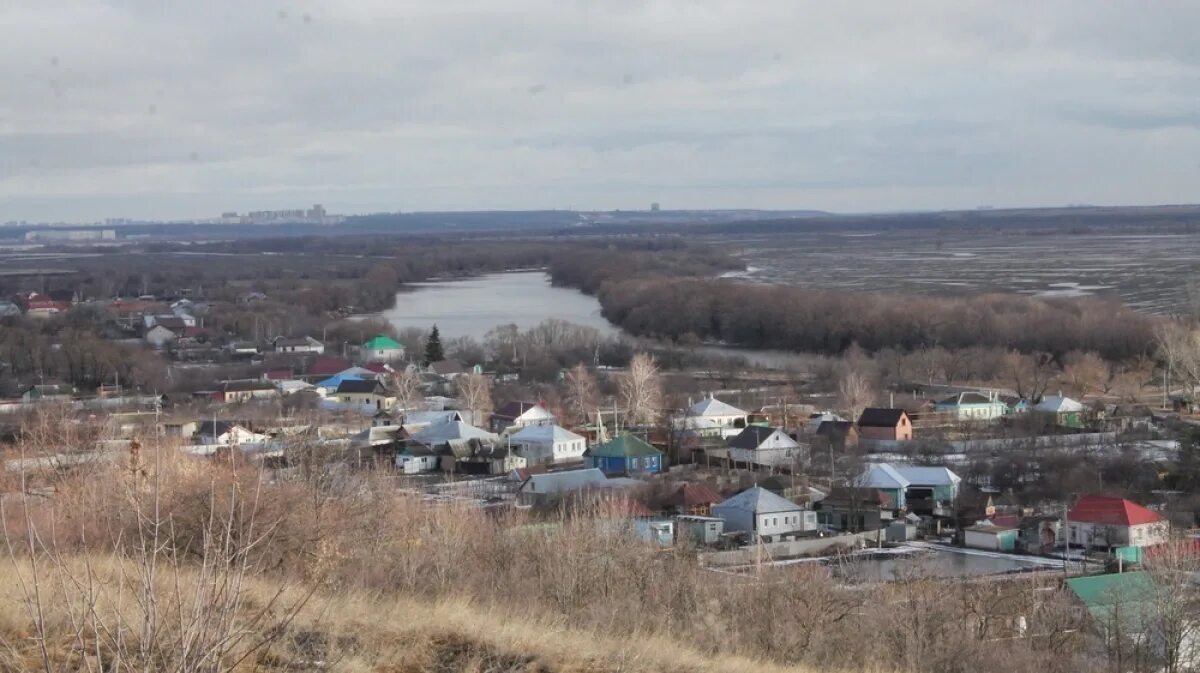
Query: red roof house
<point x="1108" y="511"/>
<point x="1106" y="522"/>
<point x="327" y="365"/>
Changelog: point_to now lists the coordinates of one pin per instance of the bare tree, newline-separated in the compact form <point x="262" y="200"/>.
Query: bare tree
<point x="406" y="385"/>
<point x="640" y="390"/>
<point x="855" y="393"/>
<point x="474" y="395"/>
<point x="580" y="394"/>
<point x="1085" y="373"/>
<point x="1030" y="374"/>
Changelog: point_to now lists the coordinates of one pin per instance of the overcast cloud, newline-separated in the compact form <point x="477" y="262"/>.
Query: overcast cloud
<point x="152" y="109"/>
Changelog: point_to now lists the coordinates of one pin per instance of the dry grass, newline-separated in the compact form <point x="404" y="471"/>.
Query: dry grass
<point x="349" y="631"/>
<point x="398" y="584"/>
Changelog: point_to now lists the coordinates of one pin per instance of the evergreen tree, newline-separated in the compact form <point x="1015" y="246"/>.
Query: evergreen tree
<point x="433" y="347"/>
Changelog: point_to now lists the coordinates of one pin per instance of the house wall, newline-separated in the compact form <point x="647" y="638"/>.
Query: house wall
<point x="783" y="523"/>
<point x="902" y="432"/>
<point x="382" y="354"/>
<point x="736" y="520"/>
<point x="996" y="541"/>
<point x="367" y="399"/>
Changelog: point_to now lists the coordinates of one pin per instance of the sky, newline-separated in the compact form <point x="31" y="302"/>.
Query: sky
<point x="162" y="110"/>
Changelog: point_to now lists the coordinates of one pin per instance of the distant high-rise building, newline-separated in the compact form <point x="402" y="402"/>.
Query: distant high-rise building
<point x="654" y="207"/>
<point x="316" y="211"/>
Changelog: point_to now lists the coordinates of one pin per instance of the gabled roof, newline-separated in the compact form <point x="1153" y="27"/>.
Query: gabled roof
<point x="753" y="437"/>
<point x="883" y="475"/>
<point x="328" y="366"/>
<point x="693" y="495"/>
<point x="446" y="367"/>
<point x="835" y="428"/>
<point x="382" y="342"/>
<point x="625" y="446"/>
<point x="359" y="386"/>
<point x="544" y="433"/>
<point x="424" y="417"/>
<point x="248" y="385"/>
<point x="440" y="433"/>
<point x="760" y="501"/>
<point x="874" y="417"/>
<point x="1125" y="597"/>
<point x="918" y="475"/>
<point x="967" y="398"/>
<point x="1056" y="404"/>
<point x="711" y="406"/>
<point x="559" y="482"/>
<point x="1099" y="509"/>
<point x="515" y="410"/>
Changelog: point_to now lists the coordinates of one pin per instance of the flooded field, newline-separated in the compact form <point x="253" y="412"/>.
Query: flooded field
<point x="1150" y="272"/>
<point x="475" y="306"/>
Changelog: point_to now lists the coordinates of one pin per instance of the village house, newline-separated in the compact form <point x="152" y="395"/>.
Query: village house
<point x="159" y="337"/>
<point x="703" y="530"/>
<point x="418" y="419"/>
<point x="711" y="417"/>
<point x="765" y="447"/>
<point x="972" y="407"/>
<point x="233" y="392"/>
<point x="331" y="384"/>
<point x="228" y="433"/>
<point x="929" y="491"/>
<point x="692" y="499"/>
<point x="1065" y="411"/>
<point x="446" y="369"/>
<point x="626" y="454"/>
<point x="548" y="444"/>
<point x="539" y="488"/>
<point x="304" y="344"/>
<point x="326" y="366"/>
<point x="891" y="425"/>
<point x="764" y="515"/>
<point x="416" y="459"/>
<point x="837" y="435"/>
<point x="48" y="392"/>
<point x="855" y="509"/>
<point x="990" y="537"/>
<point x="1116" y="524"/>
<point x="365" y="394"/>
<point x="381" y="348"/>
<point x="516" y="415"/>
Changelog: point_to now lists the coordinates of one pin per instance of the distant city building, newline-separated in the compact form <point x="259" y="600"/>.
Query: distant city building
<point x="314" y="215"/>
<point x="71" y="235"/>
<point x="654" y="207"/>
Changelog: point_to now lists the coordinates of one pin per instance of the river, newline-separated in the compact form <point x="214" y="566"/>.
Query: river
<point x="472" y="307"/>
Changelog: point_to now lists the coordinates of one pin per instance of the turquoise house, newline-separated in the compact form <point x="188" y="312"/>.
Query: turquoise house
<point x="625" y="455"/>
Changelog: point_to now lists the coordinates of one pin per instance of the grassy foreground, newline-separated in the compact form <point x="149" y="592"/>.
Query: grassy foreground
<point x="88" y="604"/>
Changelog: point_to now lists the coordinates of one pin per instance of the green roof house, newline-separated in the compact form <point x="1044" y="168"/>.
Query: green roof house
<point x="625" y="455"/>
<point x="1118" y="602"/>
<point x="381" y="348"/>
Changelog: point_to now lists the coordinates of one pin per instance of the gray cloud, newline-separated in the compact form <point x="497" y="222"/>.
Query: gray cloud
<point x="140" y="108"/>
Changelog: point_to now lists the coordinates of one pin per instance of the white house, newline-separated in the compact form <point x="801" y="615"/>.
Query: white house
<point x="540" y="487"/>
<point x="1102" y="521"/>
<point x="515" y="415"/>
<point x="764" y="515"/>
<point x="758" y="445"/>
<point x="302" y="345"/>
<point x="712" y="417"/>
<point x="416" y="459"/>
<point x="228" y="433"/>
<point x="159" y="336"/>
<point x="548" y="444"/>
<point x="381" y="348"/>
